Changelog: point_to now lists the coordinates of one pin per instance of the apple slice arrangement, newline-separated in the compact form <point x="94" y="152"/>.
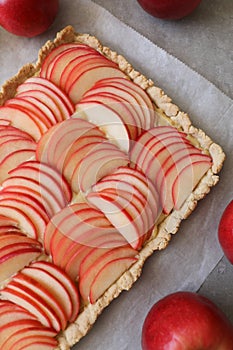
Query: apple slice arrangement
<point x="87" y="174"/>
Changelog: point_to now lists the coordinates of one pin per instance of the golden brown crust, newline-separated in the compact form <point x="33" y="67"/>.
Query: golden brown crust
<point x="168" y="113"/>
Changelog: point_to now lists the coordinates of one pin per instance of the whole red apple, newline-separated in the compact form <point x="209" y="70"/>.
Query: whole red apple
<point x="225" y="232"/>
<point x="186" y="321"/>
<point x="169" y="9"/>
<point x="27" y="17"/>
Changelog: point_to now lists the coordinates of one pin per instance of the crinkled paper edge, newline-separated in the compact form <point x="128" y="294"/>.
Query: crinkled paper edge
<point x="162" y="233"/>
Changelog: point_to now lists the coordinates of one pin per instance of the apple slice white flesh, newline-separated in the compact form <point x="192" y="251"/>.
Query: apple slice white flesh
<point x="108" y="275"/>
<point x="63" y="59"/>
<point x="124" y="95"/>
<point x="44" y="293"/>
<point x="54" y="53"/>
<point x="46" y="99"/>
<point x="86" y="280"/>
<point x="37" y="219"/>
<point x="107" y="120"/>
<point x="13" y="145"/>
<point x="60" y="100"/>
<point x="115" y="209"/>
<point x="47" y="198"/>
<point x="30" y="107"/>
<point x="13" y="160"/>
<point x="18" y="296"/>
<point x="120" y="107"/>
<point x="31" y="338"/>
<point x="145" y="100"/>
<point x="6" y="130"/>
<point x="187" y="181"/>
<point x="45" y="181"/>
<point x="89" y="78"/>
<point x="65" y="63"/>
<point x="50" y="85"/>
<point x="5" y="221"/>
<point x="4" y="122"/>
<point x="172" y="173"/>
<point x="17" y="237"/>
<point x="104" y="158"/>
<point x="21" y="120"/>
<point x="104" y="241"/>
<point x="62" y="277"/>
<point x="16" y="259"/>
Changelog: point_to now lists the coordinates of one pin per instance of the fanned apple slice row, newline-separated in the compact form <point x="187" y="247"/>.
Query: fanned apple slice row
<point x="135" y="94"/>
<point x="60" y="53"/>
<point x="9" y="130"/>
<point x="108" y="275"/>
<point x="21" y="120"/>
<point x="55" y="144"/>
<point x="88" y="77"/>
<point x="107" y="120"/>
<point x="63" y="278"/>
<point x="121" y="107"/>
<point x="104" y="159"/>
<point x="31" y="338"/>
<point x="86" y="279"/>
<point x="54" y="53"/>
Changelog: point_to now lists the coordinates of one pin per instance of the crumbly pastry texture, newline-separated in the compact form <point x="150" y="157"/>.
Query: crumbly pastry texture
<point x="168" y="113"/>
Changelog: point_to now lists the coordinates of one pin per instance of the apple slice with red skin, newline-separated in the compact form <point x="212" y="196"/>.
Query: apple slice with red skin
<point x="32" y="86"/>
<point x="103" y="240"/>
<point x="45" y="98"/>
<point x="31" y="338"/>
<point x="108" y="275"/>
<point x="37" y="218"/>
<point x="104" y="158"/>
<point x="66" y="62"/>
<point x="50" y="85"/>
<point x="55" y="53"/>
<point x="174" y="171"/>
<point x="8" y="130"/>
<point x="89" y="77"/>
<point x="19" y="296"/>
<point x="63" y="60"/>
<point x="13" y="145"/>
<point x="187" y="180"/>
<point x="21" y="120"/>
<point x="16" y="258"/>
<point x="67" y="283"/>
<point x="86" y="280"/>
<point x="189" y="321"/>
<point x="139" y="94"/>
<point x="124" y="95"/>
<point x="120" y="213"/>
<point x="5" y="221"/>
<point x="42" y="292"/>
<point x="225" y="231"/>
<point x="107" y="120"/>
<point x="30" y="107"/>
<point x="120" y="107"/>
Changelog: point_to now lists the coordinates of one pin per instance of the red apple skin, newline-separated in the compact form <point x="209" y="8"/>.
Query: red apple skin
<point x="27" y="18"/>
<point x="225" y="232"/>
<point x="186" y="321"/>
<point x="169" y="9"/>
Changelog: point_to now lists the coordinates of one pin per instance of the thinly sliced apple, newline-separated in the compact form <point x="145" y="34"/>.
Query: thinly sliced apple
<point x="13" y="145"/>
<point x="104" y="158"/>
<point x="187" y="180"/>
<point x="173" y="172"/>
<point x="21" y="120"/>
<point x="6" y="130"/>
<point x="108" y="275"/>
<point x="107" y="120"/>
<point x="54" y="53"/>
<point x="67" y="283"/>
<point x="89" y="78"/>
<point x="86" y="280"/>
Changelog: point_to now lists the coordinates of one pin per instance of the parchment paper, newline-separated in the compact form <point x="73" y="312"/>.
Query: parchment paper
<point x="194" y="251"/>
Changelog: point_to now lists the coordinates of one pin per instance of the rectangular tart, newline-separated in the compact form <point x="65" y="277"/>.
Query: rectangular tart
<point x="167" y="114"/>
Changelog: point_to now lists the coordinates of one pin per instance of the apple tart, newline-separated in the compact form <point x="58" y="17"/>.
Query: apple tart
<point x="97" y="168"/>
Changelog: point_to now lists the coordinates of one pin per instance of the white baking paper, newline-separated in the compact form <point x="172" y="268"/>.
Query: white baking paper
<point x="194" y="251"/>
